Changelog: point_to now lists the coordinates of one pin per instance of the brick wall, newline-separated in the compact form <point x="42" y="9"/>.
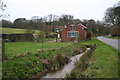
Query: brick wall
<point x="81" y="35"/>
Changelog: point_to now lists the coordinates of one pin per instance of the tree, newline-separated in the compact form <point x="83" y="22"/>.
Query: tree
<point x="112" y="15"/>
<point x="2" y="9"/>
<point x="19" y="23"/>
<point x="117" y="15"/>
<point x="38" y="35"/>
<point x="35" y="18"/>
<point x="109" y="16"/>
<point x="101" y="29"/>
<point x="6" y="23"/>
<point x="114" y="31"/>
<point x="91" y="26"/>
<point x="112" y="18"/>
<point x="50" y="20"/>
<point x="66" y="19"/>
<point x="85" y="22"/>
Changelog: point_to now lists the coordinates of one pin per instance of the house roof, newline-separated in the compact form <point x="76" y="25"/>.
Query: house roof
<point x="84" y="27"/>
<point x="60" y="28"/>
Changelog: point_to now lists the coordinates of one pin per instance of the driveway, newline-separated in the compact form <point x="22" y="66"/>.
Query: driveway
<point x="112" y="42"/>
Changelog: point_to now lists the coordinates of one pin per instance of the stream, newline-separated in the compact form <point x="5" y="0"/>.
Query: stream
<point x="66" y="69"/>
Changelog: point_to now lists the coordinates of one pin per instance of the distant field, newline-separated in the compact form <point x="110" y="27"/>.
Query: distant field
<point x="12" y="30"/>
<point x="15" y="31"/>
<point x="16" y="48"/>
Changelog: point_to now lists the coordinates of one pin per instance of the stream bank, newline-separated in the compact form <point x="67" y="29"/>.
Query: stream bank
<point x="67" y="68"/>
<point x="82" y="64"/>
<point x="40" y="63"/>
<point x="58" y="61"/>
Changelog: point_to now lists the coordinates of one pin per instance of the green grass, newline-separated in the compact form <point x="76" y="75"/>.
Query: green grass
<point x="0" y="69"/>
<point x="16" y="31"/>
<point x="12" y="31"/>
<point x="49" y="39"/>
<point x="0" y="59"/>
<point x="24" y="67"/>
<point x="113" y="37"/>
<point x="16" y="48"/>
<point x="104" y="61"/>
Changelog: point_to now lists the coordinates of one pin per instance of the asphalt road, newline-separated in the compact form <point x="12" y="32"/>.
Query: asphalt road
<point x="112" y="42"/>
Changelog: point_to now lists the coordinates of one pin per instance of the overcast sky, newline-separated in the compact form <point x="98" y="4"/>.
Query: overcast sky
<point x="81" y="9"/>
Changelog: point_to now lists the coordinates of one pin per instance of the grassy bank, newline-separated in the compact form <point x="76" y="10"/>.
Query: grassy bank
<point x="102" y="64"/>
<point x="17" y="48"/>
<point x="31" y="64"/>
<point x="113" y="37"/>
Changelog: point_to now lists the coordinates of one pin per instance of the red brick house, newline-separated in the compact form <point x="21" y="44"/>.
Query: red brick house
<point x="72" y="32"/>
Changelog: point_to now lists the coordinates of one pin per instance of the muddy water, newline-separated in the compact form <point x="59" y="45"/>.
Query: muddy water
<point x="66" y="69"/>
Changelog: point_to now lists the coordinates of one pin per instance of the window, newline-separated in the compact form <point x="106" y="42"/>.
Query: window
<point x="73" y="34"/>
<point x="72" y="27"/>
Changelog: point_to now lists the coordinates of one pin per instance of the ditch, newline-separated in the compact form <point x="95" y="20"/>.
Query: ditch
<point x="67" y="68"/>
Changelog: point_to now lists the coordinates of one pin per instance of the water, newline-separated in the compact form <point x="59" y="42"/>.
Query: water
<point x="66" y="69"/>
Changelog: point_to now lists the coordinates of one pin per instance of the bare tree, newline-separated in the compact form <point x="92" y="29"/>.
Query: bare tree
<point x="2" y="9"/>
<point x="109" y="16"/>
<point x="112" y="15"/>
<point x="35" y="18"/>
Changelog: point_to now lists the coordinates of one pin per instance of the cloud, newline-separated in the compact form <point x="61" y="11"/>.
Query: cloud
<point x="82" y="9"/>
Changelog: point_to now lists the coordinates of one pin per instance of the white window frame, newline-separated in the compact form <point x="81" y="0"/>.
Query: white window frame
<point x="72" y="33"/>
<point x="71" y="27"/>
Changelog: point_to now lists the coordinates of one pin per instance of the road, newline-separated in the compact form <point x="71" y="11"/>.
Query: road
<point x="112" y="42"/>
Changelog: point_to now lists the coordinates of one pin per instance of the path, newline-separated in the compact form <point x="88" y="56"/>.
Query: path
<point x="112" y="42"/>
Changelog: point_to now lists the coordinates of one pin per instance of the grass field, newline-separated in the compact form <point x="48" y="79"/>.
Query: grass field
<point x="103" y="63"/>
<point x="113" y="37"/>
<point x="24" y="67"/>
<point x="0" y="70"/>
<point x="105" y="59"/>
<point x="16" y="31"/>
<point x="16" y="48"/>
<point x="12" y="31"/>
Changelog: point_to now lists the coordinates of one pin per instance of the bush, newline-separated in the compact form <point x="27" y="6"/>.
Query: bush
<point x="17" y="37"/>
<point x="88" y="36"/>
<point x="114" y="31"/>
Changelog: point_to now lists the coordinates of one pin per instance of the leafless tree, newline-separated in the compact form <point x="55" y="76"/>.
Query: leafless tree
<point x="112" y="15"/>
<point x="2" y="9"/>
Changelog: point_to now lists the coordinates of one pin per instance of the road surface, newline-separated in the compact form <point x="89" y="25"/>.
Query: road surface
<point x="112" y="42"/>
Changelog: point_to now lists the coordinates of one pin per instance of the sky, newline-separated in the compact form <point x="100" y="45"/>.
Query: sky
<point x="80" y="9"/>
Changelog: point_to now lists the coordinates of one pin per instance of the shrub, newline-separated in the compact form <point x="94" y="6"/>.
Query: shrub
<point x="88" y="36"/>
<point x="114" y="31"/>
